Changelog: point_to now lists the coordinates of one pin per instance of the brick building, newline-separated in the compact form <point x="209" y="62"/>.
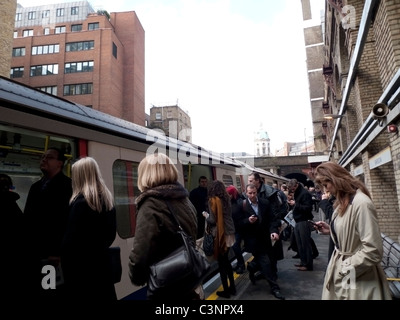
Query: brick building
<point x="361" y="60"/>
<point x="172" y="120"/>
<point x="7" y="9"/>
<point x="93" y="58"/>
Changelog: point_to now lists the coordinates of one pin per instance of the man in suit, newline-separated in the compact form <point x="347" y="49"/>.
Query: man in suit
<point x="260" y="228"/>
<point x="279" y="207"/>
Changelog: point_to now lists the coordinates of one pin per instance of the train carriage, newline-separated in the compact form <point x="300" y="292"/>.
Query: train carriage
<point x="32" y="120"/>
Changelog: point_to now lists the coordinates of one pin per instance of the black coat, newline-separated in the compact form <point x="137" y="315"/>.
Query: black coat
<point x="45" y="220"/>
<point x="257" y="236"/>
<point x="302" y="210"/>
<point x="199" y="198"/>
<point x="12" y="246"/>
<point x="46" y="215"/>
<point x="85" y="257"/>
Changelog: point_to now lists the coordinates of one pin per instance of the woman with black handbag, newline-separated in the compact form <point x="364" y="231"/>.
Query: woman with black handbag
<point x="156" y="234"/>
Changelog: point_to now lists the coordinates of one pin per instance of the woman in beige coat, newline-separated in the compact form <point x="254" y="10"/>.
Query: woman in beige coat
<point x="354" y="271"/>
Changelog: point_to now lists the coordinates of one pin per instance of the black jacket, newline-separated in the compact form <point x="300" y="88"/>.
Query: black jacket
<point x="302" y="210"/>
<point x="257" y="236"/>
<point x="85" y="257"/>
<point x="46" y="215"/>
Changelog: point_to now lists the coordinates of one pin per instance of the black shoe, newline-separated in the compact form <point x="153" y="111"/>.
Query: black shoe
<point x="296" y="256"/>
<point x="252" y="277"/>
<point x="277" y="294"/>
<point x="239" y="270"/>
<point x="232" y="290"/>
<point x="223" y="294"/>
<point x="315" y="255"/>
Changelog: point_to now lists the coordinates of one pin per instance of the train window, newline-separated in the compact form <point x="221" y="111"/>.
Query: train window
<point x="227" y="180"/>
<point x="20" y="152"/>
<point x="239" y="184"/>
<point x="125" y="176"/>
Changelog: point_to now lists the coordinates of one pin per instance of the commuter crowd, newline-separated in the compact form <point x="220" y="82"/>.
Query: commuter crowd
<point x="69" y="225"/>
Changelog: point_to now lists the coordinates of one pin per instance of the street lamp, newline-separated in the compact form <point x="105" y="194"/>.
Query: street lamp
<point x="330" y="116"/>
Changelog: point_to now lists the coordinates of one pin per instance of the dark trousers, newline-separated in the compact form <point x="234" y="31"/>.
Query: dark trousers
<point x="262" y="262"/>
<point x="225" y="271"/>
<point x="237" y="249"/>
<point x="302" y="232"/>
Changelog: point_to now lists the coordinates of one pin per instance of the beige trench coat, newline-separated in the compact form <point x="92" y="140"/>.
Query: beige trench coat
<point x="354" y="271"/>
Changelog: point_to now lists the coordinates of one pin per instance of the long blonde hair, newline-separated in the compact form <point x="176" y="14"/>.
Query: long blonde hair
<point x="87" y="181"/>
<point x="155" y="170"/>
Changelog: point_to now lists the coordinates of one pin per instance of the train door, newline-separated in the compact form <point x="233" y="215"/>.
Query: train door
<point x="192" y="173"/>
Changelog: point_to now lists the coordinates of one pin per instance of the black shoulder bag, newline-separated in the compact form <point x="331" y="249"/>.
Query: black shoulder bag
<point x="182" y="270"/>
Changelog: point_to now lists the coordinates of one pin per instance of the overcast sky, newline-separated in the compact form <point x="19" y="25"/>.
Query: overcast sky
<point x="232" y="65"/>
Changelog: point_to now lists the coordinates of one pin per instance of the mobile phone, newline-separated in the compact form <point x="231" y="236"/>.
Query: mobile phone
<point x="312" y="222"/>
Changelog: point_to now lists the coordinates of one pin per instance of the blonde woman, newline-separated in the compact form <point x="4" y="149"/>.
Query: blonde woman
<point x="156" y="232"/>
<point x="90" y="232"/>
<point x="354" y="271"/>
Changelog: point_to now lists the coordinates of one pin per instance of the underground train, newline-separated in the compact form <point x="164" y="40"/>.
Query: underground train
<point x="32" y="120"/>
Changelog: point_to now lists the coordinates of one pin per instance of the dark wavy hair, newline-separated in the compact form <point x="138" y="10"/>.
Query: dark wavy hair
<point x="344" y="183"/>
<point x="218" y="189"/>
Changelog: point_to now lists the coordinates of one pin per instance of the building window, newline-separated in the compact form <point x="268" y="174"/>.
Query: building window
<point x="79" y="46"/>
<point x="115" y="50"/>
<point x="15" y="34"/>
<point x="78" y="89"/>
<point x="18" y="52"/>
<point x="51" y="90"/>
<point x="46" y="14"/>
<point x="31" y="15"/>
<point x="17" y="72"/>
<point x="18" y="17"/>
<point x="74" y="11"/>
<point x="60" y="12"/>
<point x="93" y="26"/>
<point x="44" y="70"/>
<point x="84" y="66"/>
<point x="46" y="31"/>
<point x="158" y="116"/>
<point x="76" y="27"/>
<point x="27" y="33"/>
<point x="61" y="29"/>
<point x="47" y="49"/>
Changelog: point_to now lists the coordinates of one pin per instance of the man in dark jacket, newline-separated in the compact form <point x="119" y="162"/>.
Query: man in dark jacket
<point x="259" y="228"/>
<point x="198" y="197"/>
<point x="302" y="212"/>
<point x="279" y="207"/>
<point x="45" y="215"/>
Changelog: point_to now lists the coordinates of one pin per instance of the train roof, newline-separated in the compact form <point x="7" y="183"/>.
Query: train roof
<point x="21" y="97"/>
<point x="31" y="100"/>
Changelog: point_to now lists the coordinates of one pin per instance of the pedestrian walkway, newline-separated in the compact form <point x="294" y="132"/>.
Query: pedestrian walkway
<point x="294" y="284"/>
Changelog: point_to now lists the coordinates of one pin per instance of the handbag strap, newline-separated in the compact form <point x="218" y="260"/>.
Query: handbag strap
<point x="174" y="216"/>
